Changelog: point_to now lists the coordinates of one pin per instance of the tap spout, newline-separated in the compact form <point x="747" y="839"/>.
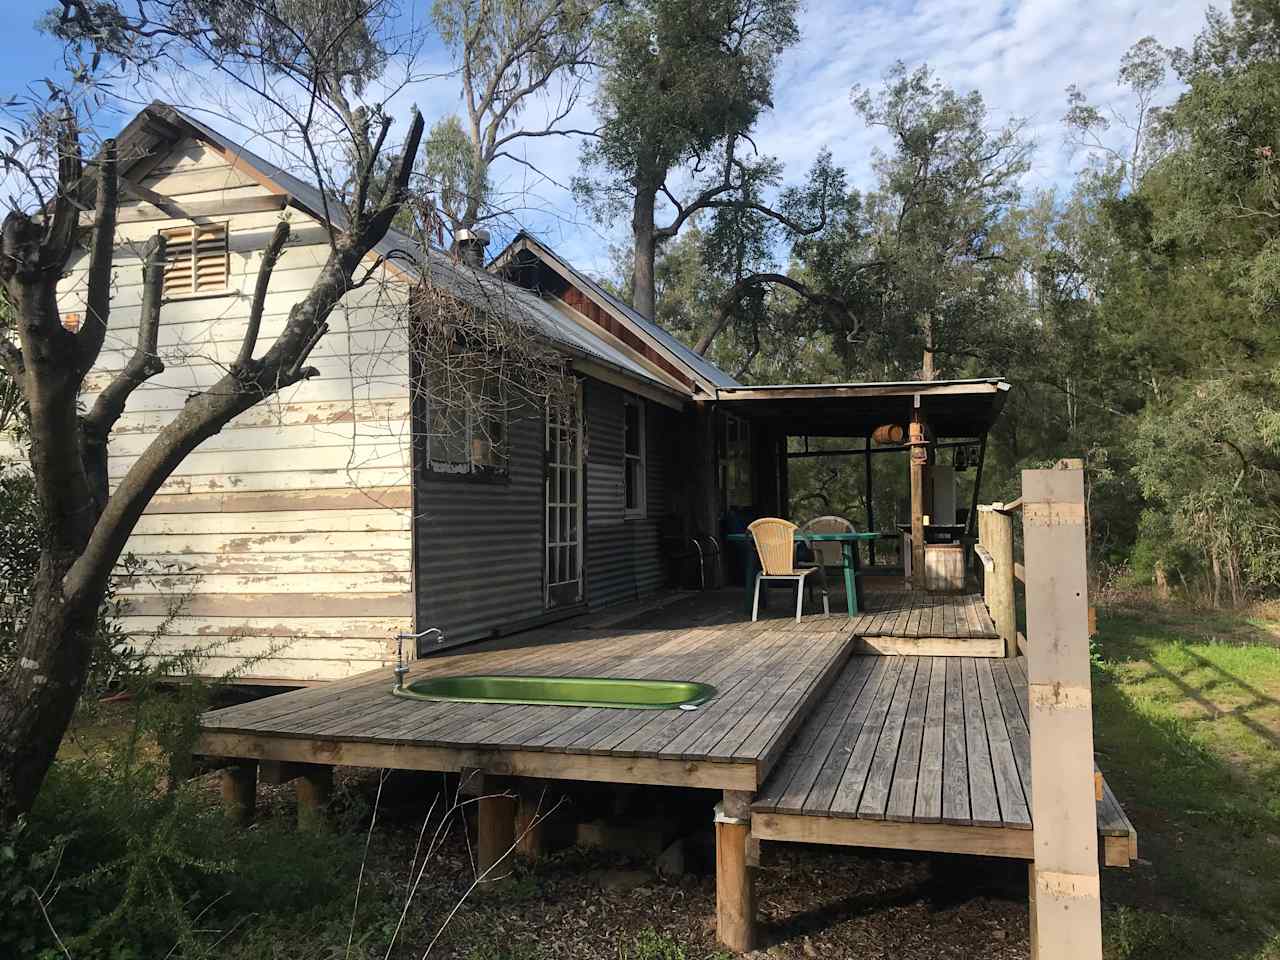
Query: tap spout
<point x="402" y="668"/>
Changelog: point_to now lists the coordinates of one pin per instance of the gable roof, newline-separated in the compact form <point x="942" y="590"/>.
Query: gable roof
<point x="700" y="369"/>
<point x="159" y="125"/>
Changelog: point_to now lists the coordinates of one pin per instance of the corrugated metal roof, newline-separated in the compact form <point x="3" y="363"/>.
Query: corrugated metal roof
<point x="699" y="365"/>
<point x="477" y="287"/>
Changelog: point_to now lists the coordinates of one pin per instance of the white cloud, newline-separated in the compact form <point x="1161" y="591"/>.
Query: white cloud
<point x="1019" y="55"/>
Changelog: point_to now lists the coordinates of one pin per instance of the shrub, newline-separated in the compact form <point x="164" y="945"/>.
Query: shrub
<point x="128" y="864"/>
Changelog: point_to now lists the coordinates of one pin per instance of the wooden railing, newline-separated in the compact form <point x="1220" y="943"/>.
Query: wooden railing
<point x="1066" y="912"/>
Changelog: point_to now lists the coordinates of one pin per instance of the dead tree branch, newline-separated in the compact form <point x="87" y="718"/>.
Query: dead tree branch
<point x="269" y="257"/>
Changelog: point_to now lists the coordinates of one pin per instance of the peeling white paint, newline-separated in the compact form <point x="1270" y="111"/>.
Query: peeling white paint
<point x="28" y="664"/>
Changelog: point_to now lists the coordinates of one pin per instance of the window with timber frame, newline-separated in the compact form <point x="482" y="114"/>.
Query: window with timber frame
<point x="466" y="430"/>
<point x="633" y="458"/>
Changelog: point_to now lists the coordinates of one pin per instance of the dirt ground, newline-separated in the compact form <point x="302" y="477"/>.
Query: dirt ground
<point x="599" y="903"/>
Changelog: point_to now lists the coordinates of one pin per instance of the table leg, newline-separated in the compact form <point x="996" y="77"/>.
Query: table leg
<point x="850" y="585"/>
<point x="752" y="567"/>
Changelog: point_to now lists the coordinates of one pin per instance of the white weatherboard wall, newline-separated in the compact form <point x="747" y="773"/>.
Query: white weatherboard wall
<point x="288" y="535"/>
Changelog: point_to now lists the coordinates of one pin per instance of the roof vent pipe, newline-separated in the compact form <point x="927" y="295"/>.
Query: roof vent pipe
<point x="470" y="246"/>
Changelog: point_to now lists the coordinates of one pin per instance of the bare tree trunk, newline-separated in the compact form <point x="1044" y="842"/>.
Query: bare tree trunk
<point x="645" y="235"/>
<point x="928" y="372"/>
<point x="39" y="692"/>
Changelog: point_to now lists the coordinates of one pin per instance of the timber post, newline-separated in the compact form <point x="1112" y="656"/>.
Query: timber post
<point x="531" y="813"/>
<point x="313" y="788"/>
<point x="999" y="584"/>
<point x="919" y="475"/>
<point x="735" y="882"/>
<point x="495" y="822"/>
<point x="240" y="790"/>
<point x="1066" y="916"/>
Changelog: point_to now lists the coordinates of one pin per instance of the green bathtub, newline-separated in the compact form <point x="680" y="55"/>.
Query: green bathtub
<point x="619" y="693"/>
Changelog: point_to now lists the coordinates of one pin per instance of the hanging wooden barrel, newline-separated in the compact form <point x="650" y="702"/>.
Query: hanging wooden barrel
<point x="889" y="433"/>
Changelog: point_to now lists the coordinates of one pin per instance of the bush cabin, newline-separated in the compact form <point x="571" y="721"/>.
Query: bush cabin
<point x="324" y="523"/>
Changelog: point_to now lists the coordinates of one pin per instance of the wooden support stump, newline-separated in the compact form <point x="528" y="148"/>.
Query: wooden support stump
<point x="314" y="787"/>
<point x="495" y="824"/>
<point x="735" y="886"/>
<point x="533" y="801"/>
<point x="240" y="790"/>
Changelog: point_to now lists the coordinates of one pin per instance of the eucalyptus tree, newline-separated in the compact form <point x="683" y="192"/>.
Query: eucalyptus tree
<point x="681" y="87"/>
<point x="305" y="69"/>
<point x="945" y="187"/>
<point x="512" y="57"/>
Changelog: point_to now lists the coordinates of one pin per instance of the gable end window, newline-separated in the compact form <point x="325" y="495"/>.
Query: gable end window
<point x="196" y="260"/>
<point x="633" y="459"/>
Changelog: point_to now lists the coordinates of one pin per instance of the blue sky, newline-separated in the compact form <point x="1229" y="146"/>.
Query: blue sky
<point x="1019" y="55"/>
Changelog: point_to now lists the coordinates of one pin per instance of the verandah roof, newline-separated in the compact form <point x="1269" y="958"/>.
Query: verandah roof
<point x="951" y="408"/>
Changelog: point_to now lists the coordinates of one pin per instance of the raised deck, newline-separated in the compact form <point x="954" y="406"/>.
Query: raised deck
<point x="919" y="753"/>
<point x="767" y="675"/>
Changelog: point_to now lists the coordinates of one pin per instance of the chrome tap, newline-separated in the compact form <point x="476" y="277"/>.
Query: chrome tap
<point x="402" y="668"/>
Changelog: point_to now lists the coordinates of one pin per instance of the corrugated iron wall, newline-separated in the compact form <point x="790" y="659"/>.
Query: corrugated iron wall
<point x="624" y="558"/>
<point x="479" y="542"/>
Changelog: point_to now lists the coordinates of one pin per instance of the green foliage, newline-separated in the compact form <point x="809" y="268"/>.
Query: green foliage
<point x="129" y="863"/>
<point x="21" y="538"/>
<point x="452" y="166"/>
<point x="678" y="79"/>
<point x="1208" y="462"/>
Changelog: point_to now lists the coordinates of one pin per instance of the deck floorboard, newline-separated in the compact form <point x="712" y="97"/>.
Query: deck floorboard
<point x="937" y="741"/>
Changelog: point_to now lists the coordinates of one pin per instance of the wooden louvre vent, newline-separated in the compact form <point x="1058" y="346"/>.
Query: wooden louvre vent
<point x="195" y="259"/>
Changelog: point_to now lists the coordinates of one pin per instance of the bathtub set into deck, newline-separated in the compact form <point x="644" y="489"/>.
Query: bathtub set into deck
<point x="833" y="730"/>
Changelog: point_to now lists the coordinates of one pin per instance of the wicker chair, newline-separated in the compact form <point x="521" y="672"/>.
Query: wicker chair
<point x="828" y="553"/>
<point x="775" y="544"/>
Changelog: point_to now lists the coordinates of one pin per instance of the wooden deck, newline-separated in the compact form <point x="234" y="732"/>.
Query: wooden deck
<point x="767" y="675"/>
<point x="910" y="622"/>
<point x="918" y="753"/>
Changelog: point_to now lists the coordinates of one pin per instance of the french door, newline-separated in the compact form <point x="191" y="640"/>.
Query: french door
<point x="563" y="572"/>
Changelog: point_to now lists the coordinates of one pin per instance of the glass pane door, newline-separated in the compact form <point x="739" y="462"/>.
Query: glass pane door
<point x="563" y="573"/>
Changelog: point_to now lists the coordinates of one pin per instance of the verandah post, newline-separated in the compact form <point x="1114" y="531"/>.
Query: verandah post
<point x="919" y="477"/>
<point x="1000" y="595"/>
<point x="1066" y="916"/>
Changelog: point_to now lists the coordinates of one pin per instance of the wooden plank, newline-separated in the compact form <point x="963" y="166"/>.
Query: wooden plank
<point x="902" y="795"/>
<point x="789" y="783"/>
<point x="393" y="498"/>
<point x="891" y="646"/>
<point x="848" y="792"/>
<point x="875" y="795"/>
<point x="891" y="835"/>
<point x="984" y="803"/>
<point x="408" y="756"/>
<point x="826" y="775"/>
<point x="929" y="779"/>
<point x="1014" y="811"/>
<point x="955" y="759"/>
<point x="1016" y="725"/>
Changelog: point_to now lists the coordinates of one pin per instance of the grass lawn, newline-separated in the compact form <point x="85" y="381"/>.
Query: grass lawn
<point x="1187" y="710"/>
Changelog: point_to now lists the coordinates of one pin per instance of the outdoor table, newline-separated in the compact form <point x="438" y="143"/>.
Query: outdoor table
<point x="848" y="551"/>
